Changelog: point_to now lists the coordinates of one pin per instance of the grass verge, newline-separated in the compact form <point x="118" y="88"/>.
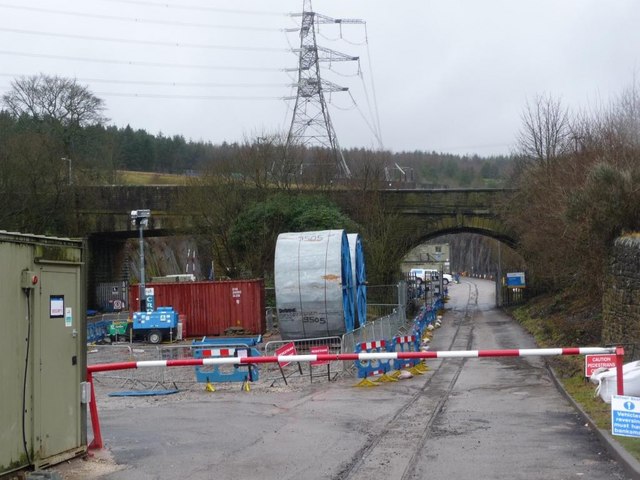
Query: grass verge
<point x="570" y="371"/>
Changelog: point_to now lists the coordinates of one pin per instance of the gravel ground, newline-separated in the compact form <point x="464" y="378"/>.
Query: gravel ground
<point x="99" y="463"/>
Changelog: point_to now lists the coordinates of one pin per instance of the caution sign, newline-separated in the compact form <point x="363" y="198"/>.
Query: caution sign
<point x="625" y="416"/>
<point x="594" y="362"/>
<point x="319" y="350"/>
<point x="286" y="349"/>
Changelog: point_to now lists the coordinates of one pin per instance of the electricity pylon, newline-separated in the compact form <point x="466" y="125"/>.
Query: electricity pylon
<point x="310" y="123"/>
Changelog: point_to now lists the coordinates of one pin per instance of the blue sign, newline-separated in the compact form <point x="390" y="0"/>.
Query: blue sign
<point x="625" y="416"/>
<point x="516" y="280"/>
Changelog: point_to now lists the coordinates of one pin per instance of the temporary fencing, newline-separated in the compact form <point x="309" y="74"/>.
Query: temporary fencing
<point x="425" y="317"/>
<point x="147" y="379"/>
<point x="379" y="329"/>
<point x="322" y="349"/>
<point x="98" y="327"/>
<point x="224" y="373"/>
<point x="97" y="331"/>
<point x="273" y="372"/>
<point x="406" y="343"/>
<point x="387" y="328"/>
<point x="370" y="366"/>
<point x="123" y="352"/>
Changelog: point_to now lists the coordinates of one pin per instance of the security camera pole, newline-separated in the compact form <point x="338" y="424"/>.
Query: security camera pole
<point x="140" y="218"/>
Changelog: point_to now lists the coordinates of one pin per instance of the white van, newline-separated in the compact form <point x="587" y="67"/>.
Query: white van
<point x="424" y="274"/>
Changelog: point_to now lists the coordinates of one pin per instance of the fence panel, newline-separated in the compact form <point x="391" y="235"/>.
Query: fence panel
<point x="382" y="328"/>
<point x="271" y="371"/>
<point x="146" y="379"/>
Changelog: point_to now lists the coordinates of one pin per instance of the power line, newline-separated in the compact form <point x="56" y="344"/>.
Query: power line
<point x="138" y="63"/>
<point x="375" y="114"/>
<point x="171" y="96"/>
<point x="195" y="7"/>
<point x="138" y="20"/>
<point x="186" y="97"/>
<point x="164" y="84"/>
<point x="466" y="147"/>
<point x="140" y="42"/>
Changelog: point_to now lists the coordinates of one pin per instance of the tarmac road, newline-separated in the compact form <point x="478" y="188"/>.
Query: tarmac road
<point x="465" y="419"/>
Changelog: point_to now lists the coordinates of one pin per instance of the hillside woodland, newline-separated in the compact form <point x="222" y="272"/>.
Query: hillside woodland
<point x="576" y="175"/>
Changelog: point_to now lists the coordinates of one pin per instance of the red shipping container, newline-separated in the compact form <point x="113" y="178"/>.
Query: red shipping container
<point x="211" y="308"/>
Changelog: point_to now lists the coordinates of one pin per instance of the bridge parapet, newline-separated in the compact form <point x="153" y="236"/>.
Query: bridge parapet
<point x="107" y="208"/>
<point x="428" y="213"/>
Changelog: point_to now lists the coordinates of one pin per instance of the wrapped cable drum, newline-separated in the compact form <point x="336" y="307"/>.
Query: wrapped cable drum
<point x="313" y="283"/>
<point x="359" y="279"/>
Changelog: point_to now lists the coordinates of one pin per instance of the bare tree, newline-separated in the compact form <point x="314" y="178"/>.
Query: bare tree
<point x="46" y="97"/>
<point x="258" y="160"/>
<point x="369" y="168"/>
<point x="578" y="190"/>
<point x="546" y="131"/>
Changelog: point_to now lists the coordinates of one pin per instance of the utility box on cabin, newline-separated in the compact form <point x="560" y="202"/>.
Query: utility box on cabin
<point x="42" y="292"/>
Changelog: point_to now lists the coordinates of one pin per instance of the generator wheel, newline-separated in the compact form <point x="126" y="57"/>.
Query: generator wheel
<point x="155" y="336"/>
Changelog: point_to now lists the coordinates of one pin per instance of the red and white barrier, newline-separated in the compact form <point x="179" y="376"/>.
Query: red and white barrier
<point x="539" y="352"/>
<point x="328" y="357"/>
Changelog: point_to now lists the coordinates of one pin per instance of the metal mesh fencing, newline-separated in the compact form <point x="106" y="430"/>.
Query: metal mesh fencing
<point x="383" y="328"/>
<point x="389" y="319"/>
<point x="142" y="379"/>
<point x="271" y="372"/>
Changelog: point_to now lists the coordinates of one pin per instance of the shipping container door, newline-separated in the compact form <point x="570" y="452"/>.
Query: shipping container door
<point x="57" y="363"/>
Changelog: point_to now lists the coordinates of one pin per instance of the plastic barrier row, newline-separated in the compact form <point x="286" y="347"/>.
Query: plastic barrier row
<point x="98" y="331"/>
<point x="407" y="343"/>
<point x="215" y="373"/>
<point x="222" y="348"/>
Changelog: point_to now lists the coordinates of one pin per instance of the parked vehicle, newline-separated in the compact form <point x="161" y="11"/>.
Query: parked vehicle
<point x="156" y="325"/>
<point x="430" y="274"/>
<point x="425" y="274"/>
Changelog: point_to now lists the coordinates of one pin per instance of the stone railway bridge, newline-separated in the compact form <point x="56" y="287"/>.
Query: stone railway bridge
<point x="103" y="215"/>
<point x="104" y="211"/>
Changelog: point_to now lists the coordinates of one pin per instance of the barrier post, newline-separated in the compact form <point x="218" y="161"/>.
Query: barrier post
<point x="619" y="374"/>
<point x="96" y="443"/>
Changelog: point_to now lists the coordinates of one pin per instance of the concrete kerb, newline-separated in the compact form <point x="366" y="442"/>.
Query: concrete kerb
<point x="630" y="464"/>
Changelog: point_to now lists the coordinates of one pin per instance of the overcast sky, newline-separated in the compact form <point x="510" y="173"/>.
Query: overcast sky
<point x="443" y="75"/>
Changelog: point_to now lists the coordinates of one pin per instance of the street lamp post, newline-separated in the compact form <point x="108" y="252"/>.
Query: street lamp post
<point x="68" y="160"/>
<point x="140" y="218"/>
<point x="499" y="279"/>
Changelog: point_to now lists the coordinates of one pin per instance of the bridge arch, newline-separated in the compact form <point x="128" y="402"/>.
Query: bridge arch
<point x="429" y="214"/>
<point x="492" y="230"/>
